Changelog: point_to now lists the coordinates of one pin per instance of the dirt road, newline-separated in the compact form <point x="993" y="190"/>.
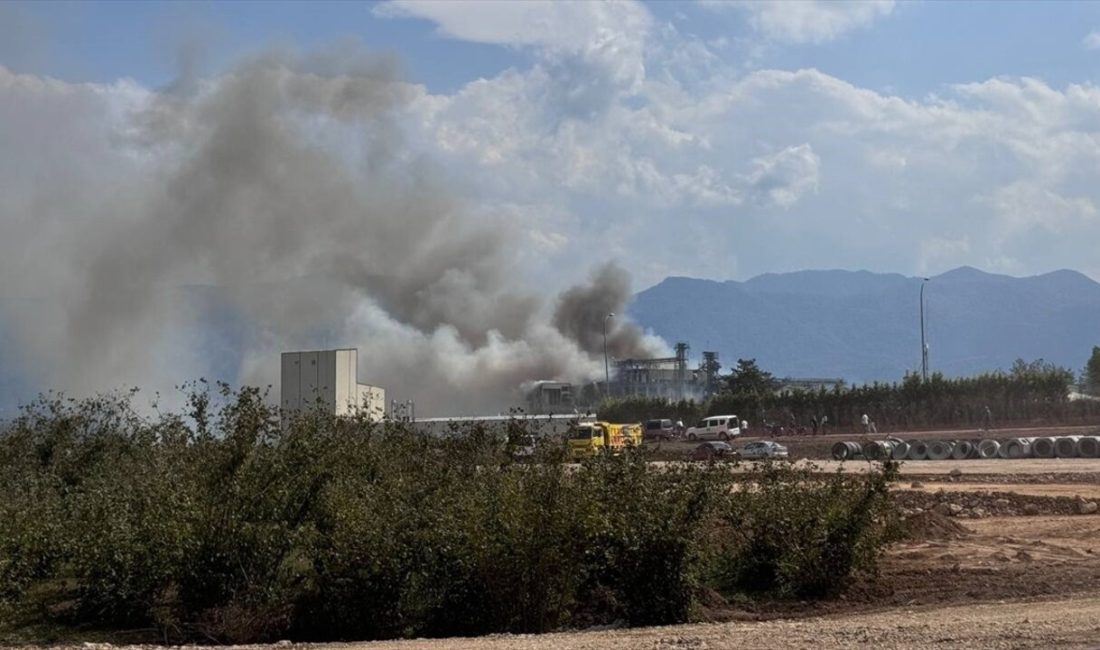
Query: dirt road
<point x="1062" y="623"/>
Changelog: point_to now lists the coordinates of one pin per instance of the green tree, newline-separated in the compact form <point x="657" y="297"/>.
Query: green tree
<point x="1092" y="371"/>
<point x="749" y="379"/>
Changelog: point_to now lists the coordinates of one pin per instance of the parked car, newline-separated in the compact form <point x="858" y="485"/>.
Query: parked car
<point x="712" y="450"/>
<point x="716" y="427"/>
<point x="762" y="449"/>
<point x="659" y="430"/>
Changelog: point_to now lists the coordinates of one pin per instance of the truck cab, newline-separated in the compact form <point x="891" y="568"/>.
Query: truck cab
<point x="589" y="438"/>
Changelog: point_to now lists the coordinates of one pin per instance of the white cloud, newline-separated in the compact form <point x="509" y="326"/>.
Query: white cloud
<point x="809" y="21"/>
<point x="1024" y="204"/>
<point x="1092" y="41"/>
<point x="782" y="178"/>
<point x="863" y="178"/>
<point x="592" y="46"/>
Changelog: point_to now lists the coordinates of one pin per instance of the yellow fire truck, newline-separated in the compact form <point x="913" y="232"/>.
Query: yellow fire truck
<point x="588" y="438"/>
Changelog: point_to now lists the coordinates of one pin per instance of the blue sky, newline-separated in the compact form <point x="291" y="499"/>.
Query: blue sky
<point x="917" y="49"/>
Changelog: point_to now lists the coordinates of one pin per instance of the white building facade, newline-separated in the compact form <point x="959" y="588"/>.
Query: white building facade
<point x="329" y="378"/>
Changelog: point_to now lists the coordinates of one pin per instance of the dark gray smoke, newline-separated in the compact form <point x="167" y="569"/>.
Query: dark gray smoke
<point x="286" y="184"/>
<point x="582" y="316"/>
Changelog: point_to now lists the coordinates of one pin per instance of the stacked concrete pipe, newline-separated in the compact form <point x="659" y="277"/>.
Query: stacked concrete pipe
<point x="901" y="450"/>
<point x="1066" y="446"/>
<point x="988" y="448"/>
<point x="1017" y="448"/>
<point x="962" y="450"/>
<point x="847" y="450"/>
<point x="918" y="450"/>
<point x="940" y="449"/>
<point x="878" y="449"/>
<point x="1088" y="447"/>
<point x="1043" y="447"/>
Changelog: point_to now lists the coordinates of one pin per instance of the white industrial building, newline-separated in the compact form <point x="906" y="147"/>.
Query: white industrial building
<point x="329" y="378"/>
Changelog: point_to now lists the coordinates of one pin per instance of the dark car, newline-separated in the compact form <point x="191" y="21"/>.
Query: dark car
<point x="659" y="430"/>
<point x="712" y="450"/>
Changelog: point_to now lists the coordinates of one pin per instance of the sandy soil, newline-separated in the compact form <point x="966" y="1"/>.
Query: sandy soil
<point x="1089" y="491"/>
<point x="1062" y="623"/>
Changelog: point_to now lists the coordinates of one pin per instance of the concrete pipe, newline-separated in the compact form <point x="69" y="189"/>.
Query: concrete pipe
<point x="878" y="449"/>
<point x="962" y="450"/>
<point x="940" y="449"/>
<point x="1066" y="446"/>
<point x="1043" y="447"/>
<point x="988" y="449"/>
<point x="901" y="450"/>
<point x="974" y="442"/>
<point x="846" y="450"/>
<point x="1088" y="447"/>
<point x="1017" y="448"/>
<point x="918" y="450"/>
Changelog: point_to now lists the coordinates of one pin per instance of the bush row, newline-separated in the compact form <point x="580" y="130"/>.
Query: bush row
<point x="229" y="523"/>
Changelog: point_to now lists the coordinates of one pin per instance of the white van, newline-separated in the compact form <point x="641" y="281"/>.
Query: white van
<point x="716" y="427"/>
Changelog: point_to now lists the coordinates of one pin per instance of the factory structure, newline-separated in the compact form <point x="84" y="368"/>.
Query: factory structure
<point x="669" y="378"/>
<point x="329" y="379"/>
<point x="666" y="377"/>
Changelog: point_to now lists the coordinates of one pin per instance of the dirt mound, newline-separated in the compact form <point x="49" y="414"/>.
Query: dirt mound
<point x="979" y="505"/>
<point x="931" y="525"/>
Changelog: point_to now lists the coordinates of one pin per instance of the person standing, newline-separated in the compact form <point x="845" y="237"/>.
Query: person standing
<point x="824" y="421"/>
<point x="987" y="419"/>
<point x="866" y="422"/>
<point x="813" y="424"/>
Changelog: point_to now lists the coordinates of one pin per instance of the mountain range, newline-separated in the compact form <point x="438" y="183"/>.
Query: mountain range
<point x="862" y="326"/>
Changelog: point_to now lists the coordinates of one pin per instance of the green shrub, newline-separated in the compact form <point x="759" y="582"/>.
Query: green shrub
<point x="232" y="523"/>
<point x="793" y="531"/>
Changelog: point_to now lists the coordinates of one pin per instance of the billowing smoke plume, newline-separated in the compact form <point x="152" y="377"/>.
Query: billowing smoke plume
<point x="285" y="185"/>
<point x="586" y="313"/>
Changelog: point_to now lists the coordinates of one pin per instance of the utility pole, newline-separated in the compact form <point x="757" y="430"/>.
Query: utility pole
<point x="923" y="342"/>
<point x="606" y="371"/>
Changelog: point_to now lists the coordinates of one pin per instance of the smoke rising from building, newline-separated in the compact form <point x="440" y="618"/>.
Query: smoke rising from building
<point x="286" y="185"/>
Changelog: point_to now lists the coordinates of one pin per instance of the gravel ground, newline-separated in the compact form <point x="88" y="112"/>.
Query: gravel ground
<point x="1070" y="623"/>
<point x="1061" y="623"/>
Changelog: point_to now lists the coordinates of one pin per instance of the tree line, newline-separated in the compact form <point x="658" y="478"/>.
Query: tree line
<point x="1029" y="393"/>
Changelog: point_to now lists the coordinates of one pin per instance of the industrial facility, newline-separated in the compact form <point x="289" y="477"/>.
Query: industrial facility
<point x="667" y="377"/>
<point x="329" y="379"/>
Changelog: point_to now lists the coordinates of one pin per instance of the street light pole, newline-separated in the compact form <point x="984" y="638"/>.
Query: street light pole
<point x="606" y="371"/>
<point x="923" y="343"/>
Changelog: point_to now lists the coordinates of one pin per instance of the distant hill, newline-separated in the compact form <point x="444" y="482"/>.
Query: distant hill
<point x="865" y="326"/>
